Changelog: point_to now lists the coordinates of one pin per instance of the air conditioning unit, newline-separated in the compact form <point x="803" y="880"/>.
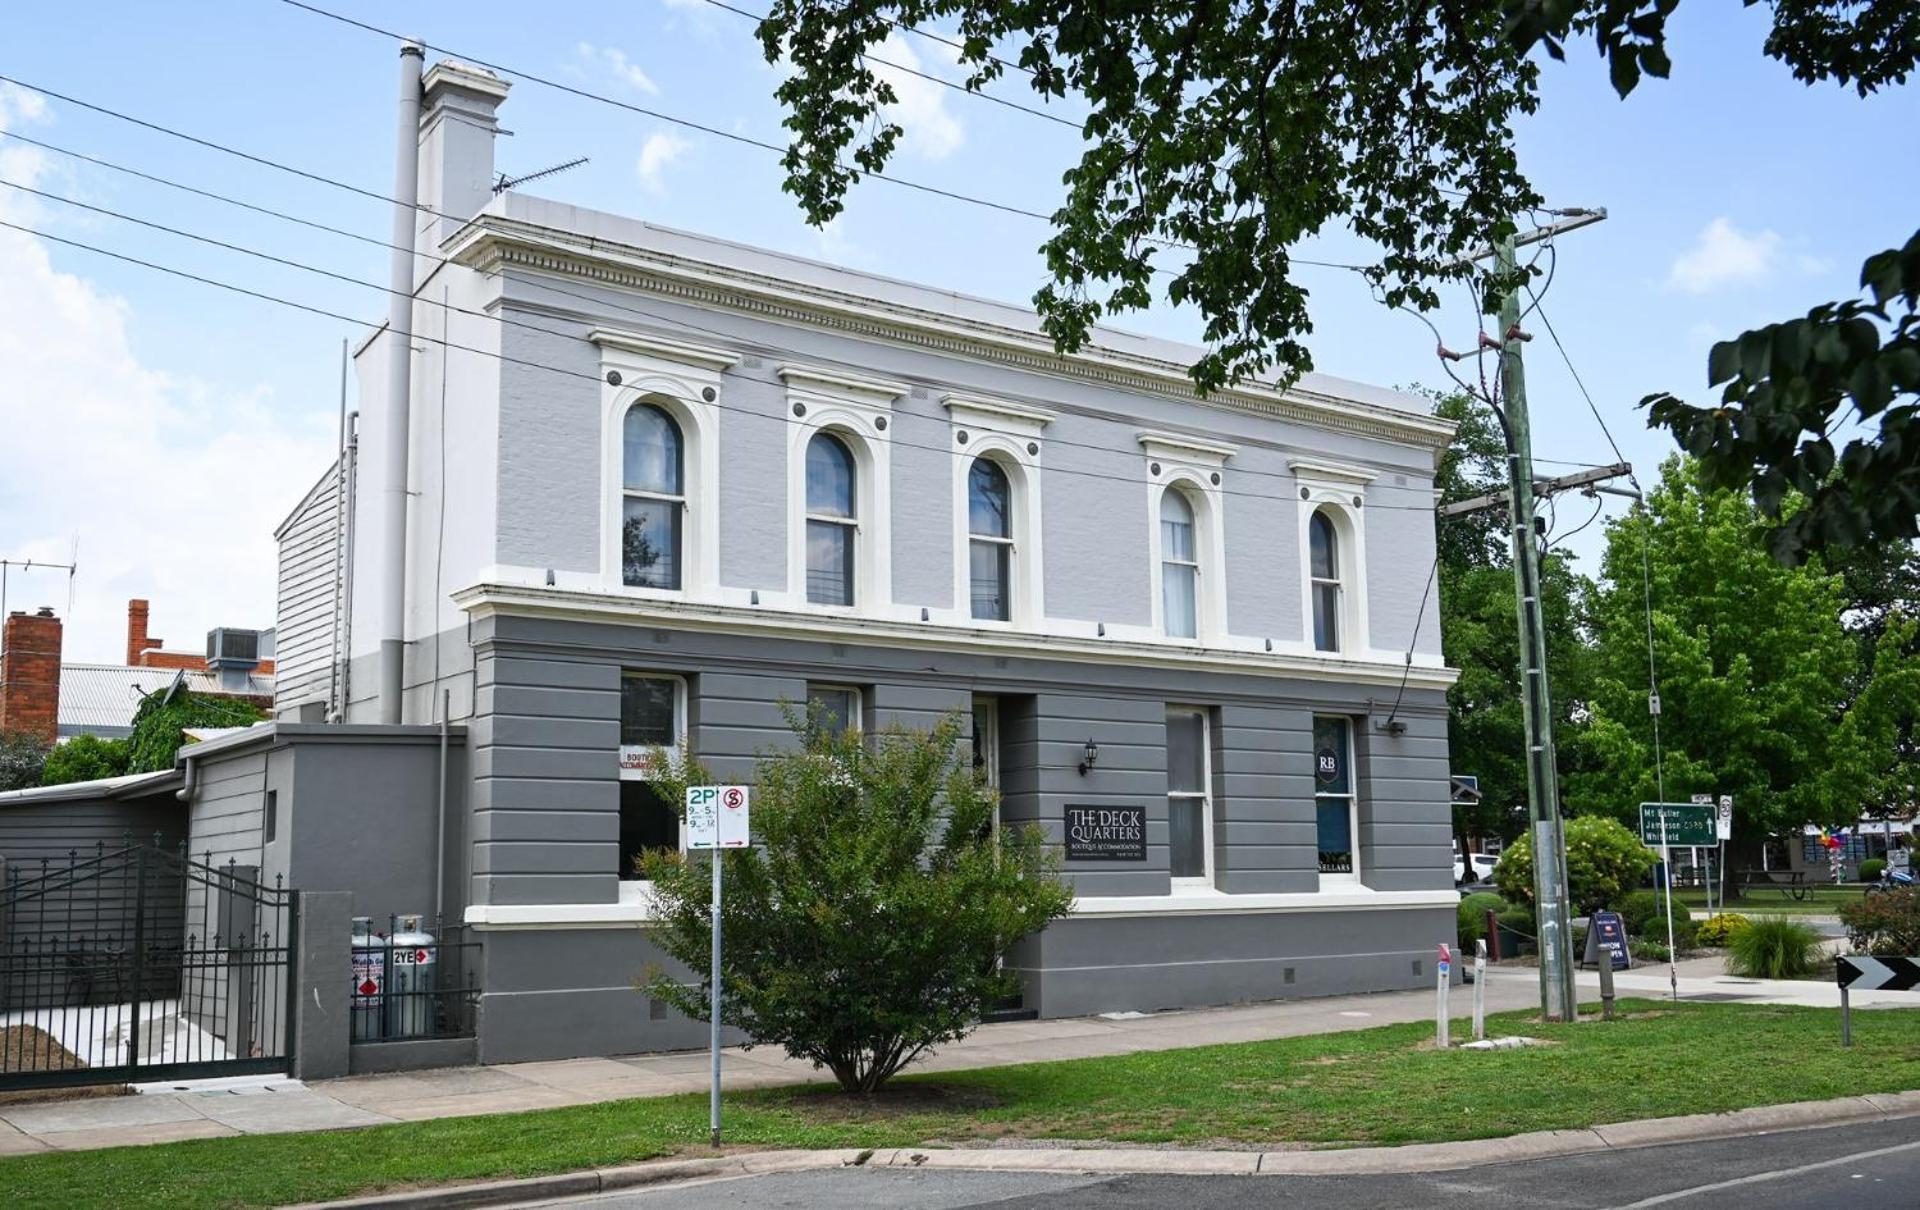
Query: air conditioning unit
<point x="229" y="648"/>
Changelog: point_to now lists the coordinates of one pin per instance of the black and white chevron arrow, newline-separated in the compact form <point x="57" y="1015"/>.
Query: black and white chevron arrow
<point x="1860" y="973"/>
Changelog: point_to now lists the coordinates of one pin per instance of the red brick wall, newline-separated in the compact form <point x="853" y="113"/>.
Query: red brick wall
<point x="30" y="674"/>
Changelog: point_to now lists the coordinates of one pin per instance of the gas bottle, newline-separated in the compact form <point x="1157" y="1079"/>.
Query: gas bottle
<point x="410" y="1007"/>
<point x="369" y="981"/>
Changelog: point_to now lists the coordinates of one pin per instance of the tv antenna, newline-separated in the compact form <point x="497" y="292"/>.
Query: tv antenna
<point x="511" y="182"/>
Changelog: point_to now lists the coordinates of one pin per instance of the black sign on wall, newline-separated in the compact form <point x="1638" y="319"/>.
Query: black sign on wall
<point x="1106" y="833"/>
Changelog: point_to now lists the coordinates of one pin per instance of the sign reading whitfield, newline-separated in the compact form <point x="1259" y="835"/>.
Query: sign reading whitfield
<point x="1686" y="824"/>
<point x="1106" y="833"/>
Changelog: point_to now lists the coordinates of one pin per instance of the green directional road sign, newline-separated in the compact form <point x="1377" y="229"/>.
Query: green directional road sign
<point x="1687" y="823"/>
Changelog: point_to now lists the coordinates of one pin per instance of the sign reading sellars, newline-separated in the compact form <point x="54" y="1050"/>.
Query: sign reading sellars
<point x="1106" y="833"/>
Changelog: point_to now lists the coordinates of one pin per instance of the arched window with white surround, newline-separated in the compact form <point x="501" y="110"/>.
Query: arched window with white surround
<point x="989" y="541"/>
<point x="1179" y="567"/>
<point x="832" y="521"/>
<point x="1323" y="568"/>
<point x="653" y="498"/>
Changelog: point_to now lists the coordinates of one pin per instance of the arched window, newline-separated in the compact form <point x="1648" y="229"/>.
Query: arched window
<point x="1179" y="567"/>
<point x="990" y="540"/>
<point x="1323" y="569"/>
<point x="654" y="501"/>
<point x="831" y="521"/>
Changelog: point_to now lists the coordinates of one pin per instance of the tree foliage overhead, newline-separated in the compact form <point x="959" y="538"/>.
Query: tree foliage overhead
<point x="161" y="722"/>
<point x="1218" y="136"/>
<point x="866" y="925"/>
<point x="21" y="758"/>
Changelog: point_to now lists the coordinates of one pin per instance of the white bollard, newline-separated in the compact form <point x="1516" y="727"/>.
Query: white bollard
<point x="1479" y="991"/>
<point x="1443" y="975"/>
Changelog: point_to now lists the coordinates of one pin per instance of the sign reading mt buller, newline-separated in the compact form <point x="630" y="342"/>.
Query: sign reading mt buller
<point x="1687" y="824"/>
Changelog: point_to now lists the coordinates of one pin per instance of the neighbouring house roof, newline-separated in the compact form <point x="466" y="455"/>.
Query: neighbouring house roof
<point x="131" y="785"/>
<point x="99" y="699"/>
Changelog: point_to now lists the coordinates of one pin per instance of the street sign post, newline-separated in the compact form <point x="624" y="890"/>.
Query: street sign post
<point x="716" y="820"/>
<point x="1671" y="823"/>
<point x="1883" y="973"/>
<point x="1443" y="970"/>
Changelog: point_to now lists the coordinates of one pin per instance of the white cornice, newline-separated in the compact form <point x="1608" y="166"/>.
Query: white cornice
<point x="486" y="599"/>
<point x="644" y="345"/>
<point x="638" y="911"/>
<point x="996" y="413"/>
<point x="1331" y="472"/>
<point x="834" y="383"/>
<point x="1180" y="447"/>
<point x="492" y="242"/>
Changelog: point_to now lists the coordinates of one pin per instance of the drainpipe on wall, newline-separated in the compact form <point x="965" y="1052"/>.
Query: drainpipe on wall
<point x="395" y="431"/>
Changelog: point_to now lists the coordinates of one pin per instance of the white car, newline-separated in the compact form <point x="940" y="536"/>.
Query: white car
<point x="1483" y="864"/>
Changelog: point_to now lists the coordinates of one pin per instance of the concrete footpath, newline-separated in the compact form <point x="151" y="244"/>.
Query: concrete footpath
<point x="283" y="1106"/>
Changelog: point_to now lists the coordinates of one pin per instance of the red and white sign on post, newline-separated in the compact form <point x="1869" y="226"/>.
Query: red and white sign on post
<point x="1443" y="974"/>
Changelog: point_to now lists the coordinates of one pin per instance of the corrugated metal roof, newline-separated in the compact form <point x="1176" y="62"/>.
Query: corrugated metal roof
<point x="125" y="786"/>
<point x="99" y="699"/>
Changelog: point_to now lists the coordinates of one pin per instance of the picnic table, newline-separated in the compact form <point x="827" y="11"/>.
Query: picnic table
<point x="1792" y="884"/>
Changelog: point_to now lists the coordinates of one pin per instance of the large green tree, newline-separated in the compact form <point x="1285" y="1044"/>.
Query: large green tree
<point x="1218" y="136"/>
<point x="1753" y="668"/>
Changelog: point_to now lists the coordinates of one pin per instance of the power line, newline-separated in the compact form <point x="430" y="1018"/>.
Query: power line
<point x="594" y="378"/>
<point x="248" y="251"/>
<point x="959" y="88"/>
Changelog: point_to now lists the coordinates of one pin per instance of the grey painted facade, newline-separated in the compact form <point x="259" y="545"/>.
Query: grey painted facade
<point x="520" y="625"/>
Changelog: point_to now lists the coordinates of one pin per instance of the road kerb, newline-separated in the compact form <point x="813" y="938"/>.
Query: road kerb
<point x="1358" y="1161"/>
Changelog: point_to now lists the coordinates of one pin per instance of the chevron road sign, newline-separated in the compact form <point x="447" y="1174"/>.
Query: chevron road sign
<point x="1859" y="973"/>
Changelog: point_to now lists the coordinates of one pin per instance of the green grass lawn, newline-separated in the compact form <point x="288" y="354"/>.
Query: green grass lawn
<point x="1822" y="901"/>
<point x="1369" y="1087"/>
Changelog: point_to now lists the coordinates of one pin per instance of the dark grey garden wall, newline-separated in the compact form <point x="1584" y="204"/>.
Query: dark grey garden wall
<point x="34" y="830"/>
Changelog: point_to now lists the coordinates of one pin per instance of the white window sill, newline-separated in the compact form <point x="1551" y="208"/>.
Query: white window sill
<point x="1183" y="900"/>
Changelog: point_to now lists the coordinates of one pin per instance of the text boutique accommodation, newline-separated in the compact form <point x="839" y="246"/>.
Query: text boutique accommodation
<point x="660" y="485"/>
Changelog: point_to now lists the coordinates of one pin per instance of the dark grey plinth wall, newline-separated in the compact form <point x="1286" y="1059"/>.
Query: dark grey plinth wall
<point x="1150" y="963"/>
<point x="322" y="985"/>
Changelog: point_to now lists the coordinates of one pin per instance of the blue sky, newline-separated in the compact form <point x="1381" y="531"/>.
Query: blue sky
<point x="168" y="426"/>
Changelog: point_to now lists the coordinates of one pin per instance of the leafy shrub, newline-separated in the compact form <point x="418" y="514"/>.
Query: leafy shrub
<point x="84" y="758"/>
<point x="1871" y="869"/>
<point x="1646" y="949"/>
<point x="1604" y="861"/>
<point x="1774" y="949"/>
<point x="866" y="926"/>
<point x="1886" y="923"/>
<point x="1473" y="916"/>
<point x="159" y="725"/>
<point x="1644" y="915"/>
<point x="1517" y="918"/>
<point x="21" y="758"/>
<point x="1717" y="931"/>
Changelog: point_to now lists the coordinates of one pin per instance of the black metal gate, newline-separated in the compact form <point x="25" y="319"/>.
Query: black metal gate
<point x="138" y="964"/>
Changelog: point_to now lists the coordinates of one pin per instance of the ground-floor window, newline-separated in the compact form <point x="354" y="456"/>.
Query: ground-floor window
<point x="1189" y="805"/>
<point x="986" y="747"/>
<point x="1338" y="815"/>
<point x="653" y="715"/>
<point x="838" y="707"/>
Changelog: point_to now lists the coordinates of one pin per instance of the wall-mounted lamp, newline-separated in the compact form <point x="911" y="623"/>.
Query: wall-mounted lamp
<point x="1091" y="756"/>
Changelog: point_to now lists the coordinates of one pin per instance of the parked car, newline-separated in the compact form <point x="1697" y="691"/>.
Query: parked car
<point x="1482" y="864"/>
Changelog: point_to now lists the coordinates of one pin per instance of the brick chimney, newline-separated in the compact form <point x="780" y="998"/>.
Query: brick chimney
<point x="137" y="640"/>
<point x="30" y="674"/>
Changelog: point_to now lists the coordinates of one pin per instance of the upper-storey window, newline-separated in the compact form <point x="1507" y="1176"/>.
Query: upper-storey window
<point x="653" y="490"/>
<point x="1179" y="567"/>
<point x="832" y="522"/>
<point x="1323" y="565"/>
<point x="990" y="540"/>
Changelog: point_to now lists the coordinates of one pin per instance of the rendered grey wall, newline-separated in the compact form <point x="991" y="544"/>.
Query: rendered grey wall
<point x="546" y="794"/>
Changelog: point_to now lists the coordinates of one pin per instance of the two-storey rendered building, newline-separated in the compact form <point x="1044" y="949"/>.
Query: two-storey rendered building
<point x="660" y="486"/>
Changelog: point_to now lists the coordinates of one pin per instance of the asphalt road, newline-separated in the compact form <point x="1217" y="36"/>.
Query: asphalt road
<point x="1855" y="1167"/>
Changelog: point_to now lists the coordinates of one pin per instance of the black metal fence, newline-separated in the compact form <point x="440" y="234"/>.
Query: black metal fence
<point x="414" y="979"/>
<point x="139" y="963"/>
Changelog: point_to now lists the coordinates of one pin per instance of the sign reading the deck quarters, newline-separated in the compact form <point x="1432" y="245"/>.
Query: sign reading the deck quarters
<point x="717" y="817"/>
<point x="1106" y="833"/>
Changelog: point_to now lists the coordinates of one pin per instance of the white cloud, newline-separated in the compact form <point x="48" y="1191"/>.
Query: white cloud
<point x="928" y="128"/>
<point x="1724" y="256"/>
<point x="660" y="150"/>
<point x="614" y="62"/>
<point x="171" y="486"/>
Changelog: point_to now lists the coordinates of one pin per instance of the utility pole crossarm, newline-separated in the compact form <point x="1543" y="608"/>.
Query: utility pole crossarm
<point x="1541" y="487"/>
